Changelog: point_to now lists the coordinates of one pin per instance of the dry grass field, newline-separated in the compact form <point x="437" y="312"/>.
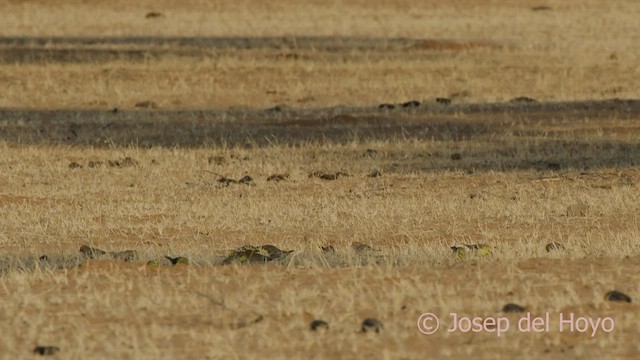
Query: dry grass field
<point x="131" y="128"/>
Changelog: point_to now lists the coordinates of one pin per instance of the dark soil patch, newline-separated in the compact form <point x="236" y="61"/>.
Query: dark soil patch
<point x="297" y="127"/>
<point x="103" y="49"/>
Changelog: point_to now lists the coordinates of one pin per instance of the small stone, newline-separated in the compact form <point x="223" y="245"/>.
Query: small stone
<point x="153" y="15"/>
<point x="411" y="104"/>
<point x="541" y="8"/>
<point x="554" y="246"/>
<point x="371" y="325"/>
<point x="522" y="100"/>
<point x="319" y="325"/>
<point x="245" y="180"/>
<point x="45" y="350"/>
<point x="513" y="308"/>
<point x="617" y="296"/>
<point x="328" y="176"/>
<point x="386" y="107"/>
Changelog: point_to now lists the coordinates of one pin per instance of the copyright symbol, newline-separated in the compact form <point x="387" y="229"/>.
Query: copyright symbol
<point x="428" y="323"/>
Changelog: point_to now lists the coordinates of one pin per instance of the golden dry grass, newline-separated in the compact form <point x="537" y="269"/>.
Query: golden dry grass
<point x="500" y="191"/>
<point x="172" y="206"/>
<point x="577" y="50"/>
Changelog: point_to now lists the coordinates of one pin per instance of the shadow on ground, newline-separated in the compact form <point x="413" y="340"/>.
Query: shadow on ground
<point x="577" y="134"/>
<point x="102" y="49"/>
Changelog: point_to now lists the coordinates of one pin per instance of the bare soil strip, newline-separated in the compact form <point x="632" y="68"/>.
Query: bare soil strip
<point x="556" y="123"/>
<point x="91" y="50"/>
<point x="331" y="43"/>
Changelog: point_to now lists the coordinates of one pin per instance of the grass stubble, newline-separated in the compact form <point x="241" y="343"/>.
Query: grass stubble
<point x="498" y="189"/>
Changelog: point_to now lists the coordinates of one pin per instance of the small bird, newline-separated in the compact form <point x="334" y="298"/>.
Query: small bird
<point x="247" y="255"/>
<point x="371" y="325"/>
<point x="614" y="295"/>
<point x="319" y="325"/>
<point x="554" y="246"/>
<point x="178" y="260"/>
<point x="328" y="249"/>
<point x="278" y="177"/>
<point x="362" y="248"/>
<point x="45" y="350"/>
<point x="274" y="252"/>
<point x="475" y="249"/>
<point x="90" y="252"/>
<point x="126" y="255"/>
<point x="255" y="254"/>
